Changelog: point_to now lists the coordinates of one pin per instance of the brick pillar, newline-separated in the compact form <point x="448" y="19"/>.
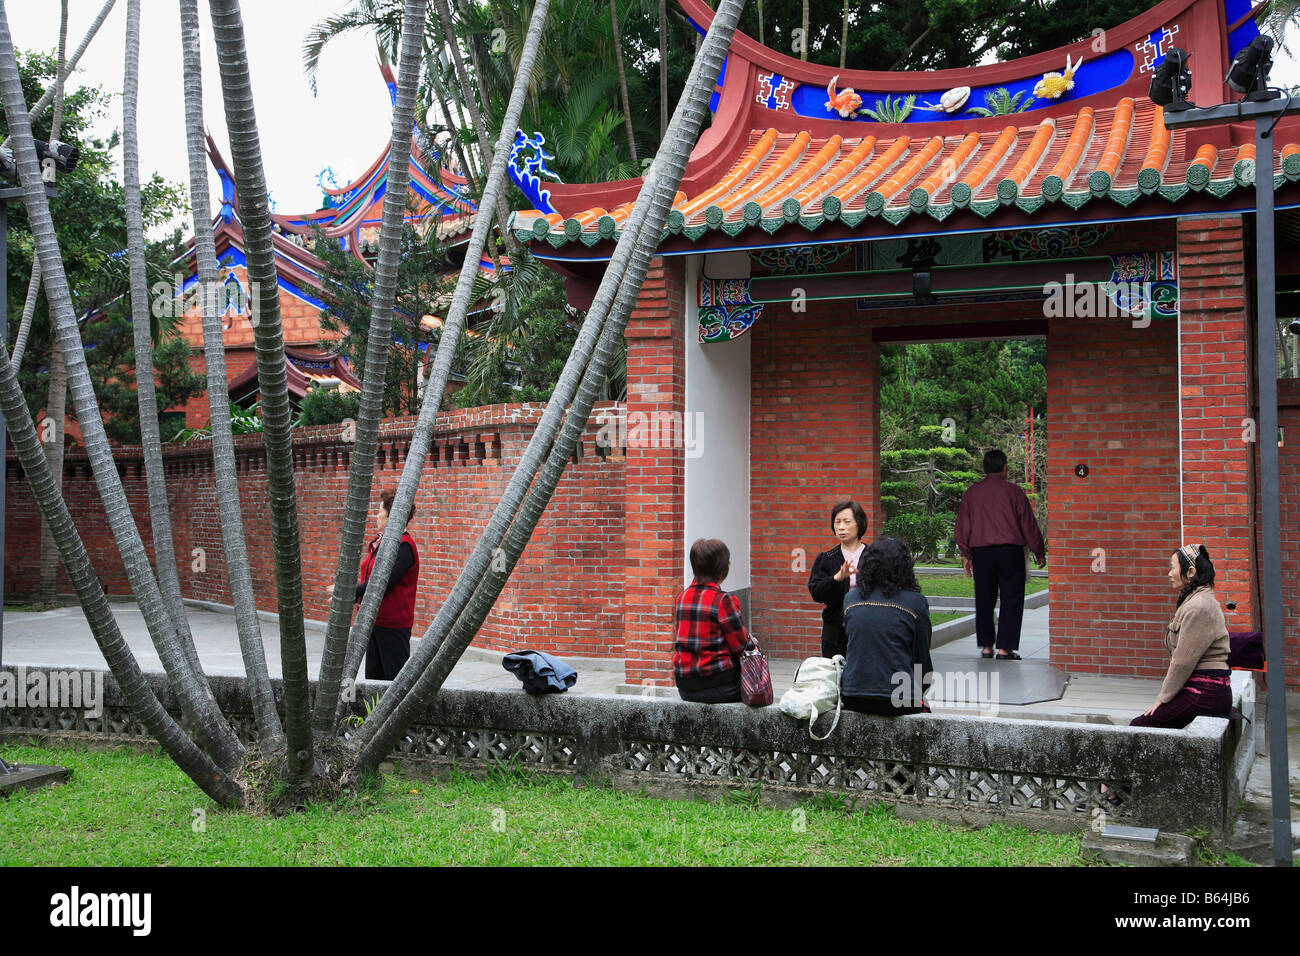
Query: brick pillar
<point x="655" y="475"/>
<point x="1217" y="353"/>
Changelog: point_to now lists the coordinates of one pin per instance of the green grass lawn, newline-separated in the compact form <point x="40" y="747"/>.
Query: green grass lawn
<point x="958" y="585"/>
<point x="123" y="808"/>
<point x="943" y="617"/>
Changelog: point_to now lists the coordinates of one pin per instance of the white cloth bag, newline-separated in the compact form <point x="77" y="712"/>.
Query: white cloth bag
<point x="816" y="691"/>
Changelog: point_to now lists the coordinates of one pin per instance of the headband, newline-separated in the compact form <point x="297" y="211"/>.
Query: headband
<point x="1190" y="551"/>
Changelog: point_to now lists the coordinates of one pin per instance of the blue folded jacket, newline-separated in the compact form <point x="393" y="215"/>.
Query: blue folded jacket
<point x="541" y="673"/>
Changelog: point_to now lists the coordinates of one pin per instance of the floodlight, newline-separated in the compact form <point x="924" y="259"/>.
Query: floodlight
<point x="1249" y="71"/>
<point x="1171" y="81"/>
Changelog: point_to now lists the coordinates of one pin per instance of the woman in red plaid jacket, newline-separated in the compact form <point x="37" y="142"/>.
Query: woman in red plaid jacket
<point x="710" y="632"/>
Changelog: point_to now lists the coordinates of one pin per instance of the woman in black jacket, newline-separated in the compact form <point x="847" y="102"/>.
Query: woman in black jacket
<point x="835" y="571"/>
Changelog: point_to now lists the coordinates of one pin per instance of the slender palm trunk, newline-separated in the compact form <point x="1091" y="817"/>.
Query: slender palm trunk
<point x="760" y="21"/>
<point x="270" y="734"/>
<point x="479" y="118"/>
<point x="56" y="401"/>
<point x="272" y="377"/>
<point x="636" y="247"/>
<point x="440" y="94"/>
<point x="198" y="708"/>
<point x="68" y="67"/>
<point x="160" y="518"/>
<point x="663" y="67"/>
<point x="622" y="80"/>
<point x="803" y="54"/>
<point x="422" y="437"/>
<point x="844" y="35"/>
<point x="29" y="312"/>
<point x="378" y="345"/>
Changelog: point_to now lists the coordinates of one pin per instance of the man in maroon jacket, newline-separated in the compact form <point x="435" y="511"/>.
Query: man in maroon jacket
<point x="995" y="523"/>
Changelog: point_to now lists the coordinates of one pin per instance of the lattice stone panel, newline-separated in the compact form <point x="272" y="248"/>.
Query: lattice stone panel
<point x="480" y="745"/>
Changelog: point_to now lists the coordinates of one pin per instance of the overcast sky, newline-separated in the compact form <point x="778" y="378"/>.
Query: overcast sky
<point x="346" y="126"/>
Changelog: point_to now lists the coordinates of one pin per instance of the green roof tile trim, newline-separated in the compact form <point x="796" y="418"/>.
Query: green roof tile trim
<point x="770" y="226"/>
<point x="1149" y="179"/>
<point x="985" y="207"/>
<point x="831" y="207"/>
<point x="589" y="239"/>
<point x="1078" y="199"/>
<point x="918" y="199"/>
<point x="791" y="209"/>
<point x="1126" y="197"/>
<point x="1099" y="182"/>
<point x="854" y="217"/>
<point x="734" y="229"/>
<point x="1280" y="180"/>
<point x="694" y="232"/>
<point x="941" y="211"/>
<point x="895" y="214"/>
<point x="572" y="228"/>
<point x="1053" y="186"/>
<point x="1243" y="171"/>
<point x="540" y="228"/>
<point x="606" y="227"/>
<point x="752" y="214"/>
<point x="713" y="216"/>
<point x="1174" y="191"/>
<point x="676" y="221"/>
<point x="1198" y="176"/>
<point x="1030" y="204"/>
<point x="1291" y="166"/>
<point x="960" y="195"/>
<point x="1007" y="191"/>
<point x="875" y="202"/>
<point x="1221" y="188"/>
<point x="556" y="239"/>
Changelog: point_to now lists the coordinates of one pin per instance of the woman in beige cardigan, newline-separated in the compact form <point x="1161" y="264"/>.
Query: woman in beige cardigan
<point x="1197" y="683"/>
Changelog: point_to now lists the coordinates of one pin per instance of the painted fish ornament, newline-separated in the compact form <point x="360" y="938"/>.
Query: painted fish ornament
<point x="1053" y="85"/>
<point x="845" y="102"/>
<point x="950" y="102"/>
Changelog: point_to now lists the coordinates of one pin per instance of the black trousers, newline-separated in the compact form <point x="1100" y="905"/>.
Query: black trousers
<point x="999" y="570"/>
<point x="387" y="651"/>
<point x="721" y="688"/>
<point x="834" y="640"/>
<point x="883" y="706"/>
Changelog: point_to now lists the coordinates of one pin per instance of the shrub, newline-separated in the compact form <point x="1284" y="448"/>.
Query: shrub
<point x="329" y="407"/>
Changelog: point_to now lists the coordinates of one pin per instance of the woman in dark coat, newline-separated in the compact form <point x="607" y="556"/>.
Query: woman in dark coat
<point x="834" y="572"/>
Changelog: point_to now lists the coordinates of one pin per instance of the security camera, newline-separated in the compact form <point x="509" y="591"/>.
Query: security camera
<point x="1293" y="327"/>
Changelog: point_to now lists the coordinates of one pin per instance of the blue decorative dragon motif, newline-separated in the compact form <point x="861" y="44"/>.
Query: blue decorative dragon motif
<point x="526" y="170"/>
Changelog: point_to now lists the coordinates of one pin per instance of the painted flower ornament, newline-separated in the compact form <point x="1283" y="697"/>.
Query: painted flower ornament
<point x="1053" y="85"/>
<point x="845" y="102"/>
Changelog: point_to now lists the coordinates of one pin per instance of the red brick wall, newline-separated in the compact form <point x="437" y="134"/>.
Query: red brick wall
<point x="550" y="602"/>
<point x="814" y="421"/>
<point x="656" y="476"/>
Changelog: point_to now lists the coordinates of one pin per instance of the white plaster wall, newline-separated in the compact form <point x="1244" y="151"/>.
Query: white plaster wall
<point x="717" y="387"/>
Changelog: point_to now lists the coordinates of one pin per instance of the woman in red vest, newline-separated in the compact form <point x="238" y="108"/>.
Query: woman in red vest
<point x="390" y="640"/>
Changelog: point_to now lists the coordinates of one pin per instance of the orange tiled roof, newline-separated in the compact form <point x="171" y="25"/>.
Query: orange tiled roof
<point x="1112" y="155"/>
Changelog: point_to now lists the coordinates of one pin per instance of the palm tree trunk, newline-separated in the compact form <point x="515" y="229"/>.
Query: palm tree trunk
<point x="272" y="377"/>
<point x="68" y="67"/>
<point x="622" y="80"/>
<point x="803" y="53"/>
<point x="441" y="95"/>
<point x="844" y="35"/>
<point x="29" y="312"/>
<point x="198" y="708"/>
<point x="663" y="66"/>
<point x="422" y="437"/>
<point x="760" y="21"/>
<point x="479" y="118"/>
<point x="270" y="733"/>
<point x="378" y="344"/>
<point x="160" y="518"/>
<point x="56" y="401"/>
<point x="144" y="703"/>
<point x="638" y="244"/>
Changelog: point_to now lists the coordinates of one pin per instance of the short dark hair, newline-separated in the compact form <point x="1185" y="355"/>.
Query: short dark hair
<point x="886" y="564"/>
<point x="995" y="461"/>
<point x="710" y="559"/>
<point x="386" y="499"/>
<point x="859" y="515"/>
